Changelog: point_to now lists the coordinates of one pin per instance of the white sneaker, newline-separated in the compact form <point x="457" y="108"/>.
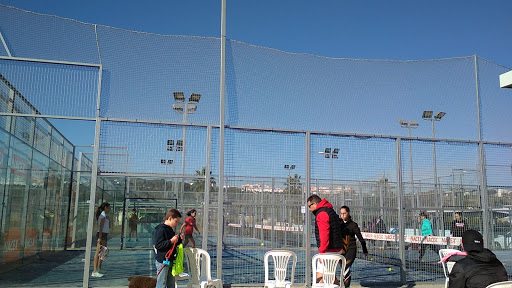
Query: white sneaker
<point x="96" y="274"/>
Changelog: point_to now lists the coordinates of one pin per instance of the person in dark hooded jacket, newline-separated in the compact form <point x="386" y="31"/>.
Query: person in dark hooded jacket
<point x="349" y="231"/>
<point x="479" y="268"/>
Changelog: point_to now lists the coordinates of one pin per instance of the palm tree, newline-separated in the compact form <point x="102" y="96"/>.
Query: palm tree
<point x="199" y="183"/>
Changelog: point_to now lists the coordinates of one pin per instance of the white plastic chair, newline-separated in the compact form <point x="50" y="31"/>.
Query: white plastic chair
<point x="198" y="263"/>
<point x="330" y="262"/>
<point x="280" y="259"/>
<point x="504" y="284"/>
<point x="181" y="277"/>
<point x="448" y="265"/>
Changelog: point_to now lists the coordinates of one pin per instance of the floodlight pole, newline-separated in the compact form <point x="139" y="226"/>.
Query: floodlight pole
<point x="430" y="117"/>
<point x="289" y="168"/>
<point x="415" y="197"/>
<point x="185" y="113"/>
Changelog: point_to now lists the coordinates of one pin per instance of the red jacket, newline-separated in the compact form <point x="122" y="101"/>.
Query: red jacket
<point x="328" y="229"/>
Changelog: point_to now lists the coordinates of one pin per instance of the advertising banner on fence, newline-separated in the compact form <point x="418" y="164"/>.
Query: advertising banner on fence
<point x="30" y="242"/>
<point x="437" y="240"/>
<point x="47" y="234"/>
<point x="11" y="246"/>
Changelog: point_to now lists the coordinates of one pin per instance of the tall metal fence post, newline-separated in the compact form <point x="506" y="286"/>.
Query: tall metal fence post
<point x="206" y="198"/>
<point x="307" y="225"/>
<point x="222" y="123"/>
<point x="484" y="197"/>
<point x="94" y="178"/>
<point x="401" y="219"/>
<point x="272" y="215"/>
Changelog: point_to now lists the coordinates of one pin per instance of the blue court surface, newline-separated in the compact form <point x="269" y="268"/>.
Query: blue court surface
<point x="242" y="266"/>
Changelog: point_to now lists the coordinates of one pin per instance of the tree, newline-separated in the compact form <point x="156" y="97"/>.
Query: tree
<point x="293" y="185"/>
<point x="199" y="183"/>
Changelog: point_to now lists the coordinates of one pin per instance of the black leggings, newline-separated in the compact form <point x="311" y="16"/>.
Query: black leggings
<point x="423" y="249"/>
<point x="347" y="276"/>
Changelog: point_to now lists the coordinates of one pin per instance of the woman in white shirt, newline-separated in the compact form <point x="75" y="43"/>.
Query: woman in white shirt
<point x="103" y="229"/>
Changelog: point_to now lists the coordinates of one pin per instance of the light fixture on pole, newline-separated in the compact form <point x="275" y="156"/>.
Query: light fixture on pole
<point x="429" y="115"/>
<point x="184" y="107"/>
<point x="411" y="125"/>
<point x="331" y="153"/>
<point x="166" y="162"/>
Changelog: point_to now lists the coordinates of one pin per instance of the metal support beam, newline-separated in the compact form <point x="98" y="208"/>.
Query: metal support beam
<point x="401" y="208"/>
<point x="222" y="123"/>
<point x="307" y="225"/>
<point x="206" y="198"/>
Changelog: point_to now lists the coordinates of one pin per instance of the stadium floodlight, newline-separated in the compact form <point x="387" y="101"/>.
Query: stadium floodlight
<point x="439" y="115"/>
<point x="177" y="107"/>
<point x="194" y="97"/>
<point x="286" y="166"/>
<point x="334" y="154"/>
<point x="179" y="96"/>
<point x="413" y="124"/>
<point x="427" y="114"/>
<point x="403" y="123"/>
<point x="327" y="150"/>
<point x="292" y="167"/>
<point x="191" y="108"/>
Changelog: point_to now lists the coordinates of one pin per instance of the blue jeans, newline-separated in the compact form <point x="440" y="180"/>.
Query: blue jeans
<point x="165" y="278"/>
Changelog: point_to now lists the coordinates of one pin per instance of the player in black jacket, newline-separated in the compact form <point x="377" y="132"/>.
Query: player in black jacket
<point x="165" y="238"/>
<point x="349" y="231"/>
<point x="479" y="268"/>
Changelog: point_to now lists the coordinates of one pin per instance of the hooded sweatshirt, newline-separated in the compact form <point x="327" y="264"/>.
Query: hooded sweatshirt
<point x="163" y="235"/>
<point x="478" y="269"/>
<point x="327" y="228"/>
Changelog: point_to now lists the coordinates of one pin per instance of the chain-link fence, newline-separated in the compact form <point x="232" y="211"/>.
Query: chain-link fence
<point x="94" y="120"/>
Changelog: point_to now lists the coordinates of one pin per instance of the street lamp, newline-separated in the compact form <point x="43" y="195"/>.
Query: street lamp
<point x="331" y="154"/>
<point x="184" y="107"/>
<point x="411" y="124"/>
<point x="429" y="116"/>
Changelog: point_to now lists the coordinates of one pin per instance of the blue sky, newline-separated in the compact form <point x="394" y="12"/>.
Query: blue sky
<point x="395" y="30"/>
<point x="399" y="29"/>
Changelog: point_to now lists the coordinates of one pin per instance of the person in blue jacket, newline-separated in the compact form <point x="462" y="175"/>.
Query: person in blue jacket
<point x="426" y="230"/>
